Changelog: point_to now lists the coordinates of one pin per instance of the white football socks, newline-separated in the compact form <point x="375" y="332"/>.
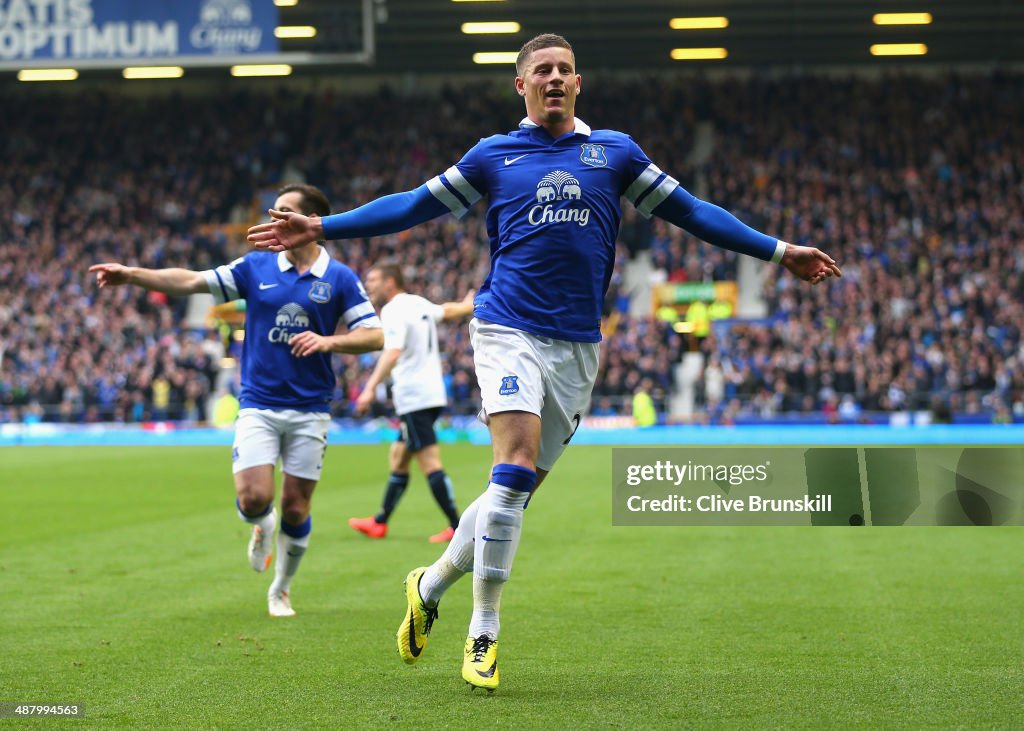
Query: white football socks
<point x="499" y="523"/>
<point x="289" y="554"/>
<point x="455" y="562"/>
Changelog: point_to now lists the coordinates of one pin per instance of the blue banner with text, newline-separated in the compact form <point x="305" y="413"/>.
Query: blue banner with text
<point x="66" y="31"/>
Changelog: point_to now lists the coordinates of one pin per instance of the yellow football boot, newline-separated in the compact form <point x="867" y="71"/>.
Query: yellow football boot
<point x="480" y="665"/>
<point x="419" y="618"/>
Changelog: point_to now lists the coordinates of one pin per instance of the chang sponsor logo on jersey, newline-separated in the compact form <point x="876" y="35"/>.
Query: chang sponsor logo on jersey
<point x="290" y="319"/>
<point x="554" y="187"/>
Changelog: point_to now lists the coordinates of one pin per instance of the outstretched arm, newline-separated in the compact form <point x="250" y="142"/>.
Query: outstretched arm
<point x="719" y="227"/>
<point x="170" y="281"/>
<point x="458" y="310"/>
<point x="386" y="215"/>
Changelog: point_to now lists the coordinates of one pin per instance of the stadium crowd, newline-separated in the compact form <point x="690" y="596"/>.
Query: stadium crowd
<point x="916" y="188"/>
<point x="920" y="183"/>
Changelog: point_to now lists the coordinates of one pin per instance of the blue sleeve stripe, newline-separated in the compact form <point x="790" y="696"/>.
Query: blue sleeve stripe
<point x="452" y="189"/>
<point x="365" y="320"/>
<point x="358" y="312"/>
<point x="661" y="192"/>
<point x="439" y="191"/>
<point x="221" y="283"/>
<point x="642" y="183"/>
<point x="212" y="285"/>
<point x="462" y="185"/>
<point x="228" y="275"/>
<point x="639" y="200"/>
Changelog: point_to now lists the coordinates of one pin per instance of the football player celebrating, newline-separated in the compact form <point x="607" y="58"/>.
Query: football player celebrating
<point x="299" y="304"/>
<point x="553" y="188"/>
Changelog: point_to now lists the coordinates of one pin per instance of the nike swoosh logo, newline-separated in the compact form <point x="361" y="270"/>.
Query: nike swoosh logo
<point x="266" y="286"/>
<point x="412" y="636"/>
<point x="489" y="673"/>
<point x="509" y="162"/>
<point x="501" y="540"/>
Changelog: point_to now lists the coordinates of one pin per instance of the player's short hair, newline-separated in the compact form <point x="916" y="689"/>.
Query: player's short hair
<point x="313" y="199"/>
<point x="390" y="270"/>
<point x="544" y="40"/>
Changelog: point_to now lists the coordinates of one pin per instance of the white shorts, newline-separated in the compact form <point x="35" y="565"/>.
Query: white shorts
<point x="297" y="438"/>
<point x="551" y="378"/>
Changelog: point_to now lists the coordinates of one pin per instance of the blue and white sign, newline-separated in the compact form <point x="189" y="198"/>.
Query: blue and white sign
<point x="69" y="31"/>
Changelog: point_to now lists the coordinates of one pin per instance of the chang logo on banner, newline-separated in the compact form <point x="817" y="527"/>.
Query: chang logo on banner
<point x="225" y="26"/>
<point x="127" y="30"/>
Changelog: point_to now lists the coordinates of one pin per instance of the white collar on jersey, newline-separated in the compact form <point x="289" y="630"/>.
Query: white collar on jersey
<point x="582" y="128"/>
<point x="319" y="267"/>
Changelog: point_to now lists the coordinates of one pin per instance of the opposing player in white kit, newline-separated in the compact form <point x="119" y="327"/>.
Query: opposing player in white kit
<point x="412" y="356"/>
<point x="553" y="190"/>
<point x="296" y="303"/>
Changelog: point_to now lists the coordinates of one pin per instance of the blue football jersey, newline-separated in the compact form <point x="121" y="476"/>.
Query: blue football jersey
<point x="552" y="219"/>
<point x="281" y="303"/>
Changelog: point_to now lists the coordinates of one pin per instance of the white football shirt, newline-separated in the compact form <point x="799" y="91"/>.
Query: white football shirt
<point x="410" y="324"/>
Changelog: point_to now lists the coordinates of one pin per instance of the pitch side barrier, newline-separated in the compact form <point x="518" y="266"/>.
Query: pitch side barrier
<point x="471" y="432"/>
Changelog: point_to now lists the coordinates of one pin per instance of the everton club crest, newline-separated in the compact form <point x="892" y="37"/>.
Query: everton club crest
<point x="593" y="155"/>
<point x="320" y="292"/>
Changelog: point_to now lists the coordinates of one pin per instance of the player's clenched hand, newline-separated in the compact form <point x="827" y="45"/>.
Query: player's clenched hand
<point x="810" y="264"/>
<point x="111" y="274"/>
<point x="286" y="230"/>
<point x="364" y="402"/>
<point x="308" y="342"/>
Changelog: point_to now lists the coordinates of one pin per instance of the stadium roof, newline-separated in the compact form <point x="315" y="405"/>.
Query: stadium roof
<point x="428" y="36"/>
<point x="425" y="35"/>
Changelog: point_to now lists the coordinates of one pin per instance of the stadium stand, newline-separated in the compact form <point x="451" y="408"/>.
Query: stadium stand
<point x="913" y="183"/>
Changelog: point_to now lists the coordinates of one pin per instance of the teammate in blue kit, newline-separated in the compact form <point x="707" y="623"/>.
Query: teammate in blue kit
<point x="296" y="303"/>
<point x="553" y="191"/>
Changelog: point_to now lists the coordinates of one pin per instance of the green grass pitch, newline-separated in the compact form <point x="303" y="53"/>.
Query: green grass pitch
<point x="124" y="585"/>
